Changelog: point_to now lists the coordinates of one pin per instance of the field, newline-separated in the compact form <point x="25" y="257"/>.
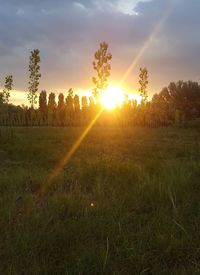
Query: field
<point x="127" y="202"/>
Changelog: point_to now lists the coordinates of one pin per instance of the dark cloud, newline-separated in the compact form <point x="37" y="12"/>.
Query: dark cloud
<point x="68" y="32"/>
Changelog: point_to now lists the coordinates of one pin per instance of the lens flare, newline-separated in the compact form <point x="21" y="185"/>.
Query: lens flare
<point x="110" y="99"/>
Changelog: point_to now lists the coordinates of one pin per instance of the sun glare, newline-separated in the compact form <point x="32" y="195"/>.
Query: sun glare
<point x="135" y="97"/>
<point x="112" y="97"/>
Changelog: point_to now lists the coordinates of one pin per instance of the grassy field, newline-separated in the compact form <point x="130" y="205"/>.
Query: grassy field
<point x="128" y="201"/>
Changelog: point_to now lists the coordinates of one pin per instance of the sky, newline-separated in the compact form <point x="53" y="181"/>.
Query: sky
<point x="162" y="35"/>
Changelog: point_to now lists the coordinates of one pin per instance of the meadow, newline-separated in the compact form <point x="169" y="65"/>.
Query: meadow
<point x="127" y="202"/>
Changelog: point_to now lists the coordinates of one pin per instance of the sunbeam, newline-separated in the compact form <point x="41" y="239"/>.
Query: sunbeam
<point x="56" y="171"/>
<point x="68" y="156"/>
<point x="147" y="43"/>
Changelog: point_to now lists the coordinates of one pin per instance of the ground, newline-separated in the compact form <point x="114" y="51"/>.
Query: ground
<point x="127" y="202"/>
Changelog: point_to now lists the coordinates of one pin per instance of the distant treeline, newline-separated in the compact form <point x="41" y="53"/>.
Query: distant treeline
<point x="177" y="103"/>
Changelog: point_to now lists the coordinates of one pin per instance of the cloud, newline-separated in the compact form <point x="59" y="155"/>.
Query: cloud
<point x="68" y="32"/>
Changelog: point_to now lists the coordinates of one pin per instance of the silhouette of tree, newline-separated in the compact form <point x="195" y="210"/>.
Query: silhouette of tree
<point x="84" y="103"/>
<point x="102" y="67"/>
<point x="69" y="107"/>
<point x="1" y="99"/>
<point x="61" y="108"/>
<point x="70" y="92"/>
<point x="84" y="107"/>
<point x="143" y="81"/>
<point x="69" y="99"/>
<point x="52" y="101"/>
<point x="51" y="108"/>
<point x="61" y="101"/>
<point x="34" y="69"/>
<point x="76" y="104"/>
<point x="7" y="88"/>
<point x="177" y="102"/>
<point x="91" y="102"/>
<point x="43" y="105"/>
<point x="43" y="101"/>
<point x="77" y="110"/>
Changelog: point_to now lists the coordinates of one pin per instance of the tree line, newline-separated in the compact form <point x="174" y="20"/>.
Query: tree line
<point x="177" y="103"/>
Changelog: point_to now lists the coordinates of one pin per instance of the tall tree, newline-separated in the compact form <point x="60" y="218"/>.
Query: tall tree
<point x="43" y="105"/>
<point x="51" y="109"/>
<point x="69" y="107"/>
<point x="34" y="69"/>
<point x="84" y="107"/>
<point x="52" y="101"/>
<point x="102" y="67"/>
<point x="91" y="102"/>
<point x="76" y="104"/>
<point x="84" y="103"/>
<point x="1" y="99"/>
<point x="43" y="101"/>
<point x="143" y="81"/>
<point x="69" y="99"/>
<point x="61" y="109"/>
<point x="77" y="110"/>
<point x="70" y="92"/>
<point x="61" y="101"/>
<point x="7" y="88"/>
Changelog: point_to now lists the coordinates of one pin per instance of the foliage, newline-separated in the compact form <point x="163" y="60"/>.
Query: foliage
<point x="61" y="101"/>
<point x="182" y="96"/>
<point x="143" y="84"/>
<point x="52" y="101"/>
<point x="176" y="104"/>
<point x="43" y="101"/>
<point x="71" y="92"/>
<point x="1" y="99"/>
<point x="34" y="69"/>
<point x="77" y="106"/>
<point x="102" y="67"/>
<point x="8" y="86"/>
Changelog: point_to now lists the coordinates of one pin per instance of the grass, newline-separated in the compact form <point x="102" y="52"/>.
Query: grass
<point x="128" y="202"/>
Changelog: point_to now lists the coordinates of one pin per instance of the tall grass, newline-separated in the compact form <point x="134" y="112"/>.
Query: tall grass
<point x="126" y="203"/>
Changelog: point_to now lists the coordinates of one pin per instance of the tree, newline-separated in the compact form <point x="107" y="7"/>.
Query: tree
<point x="102" y="67"/>
<point x="84" y="102"/>
<point x="70" y="92"/>
<point x="69" y="107"/>
<point x="76" y="104"/>
<point x="69" y="99"/>
<point x="77" y="110"/>
<point x="52" y="101"/>
<point x="43" y="101"/>
<point x="34" y="69"/>
<point x="84" y="107"/>
<point x="61" y="108"/>
<point x="61" y="101"/>
<point x="43" y="105"/>
<point x="91" y="102"/>
<point x="1" y="98"/>
<point x="51" y="108"/>
<point x="182" y="96"/>
<point x="143" y="84"/>
<point x="7" y="88"/>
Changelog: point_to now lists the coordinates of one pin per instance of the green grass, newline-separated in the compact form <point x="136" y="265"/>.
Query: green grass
<point x="145" y="187"/>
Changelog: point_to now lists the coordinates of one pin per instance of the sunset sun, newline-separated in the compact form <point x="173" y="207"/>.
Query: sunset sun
<point x="112" y="97"/>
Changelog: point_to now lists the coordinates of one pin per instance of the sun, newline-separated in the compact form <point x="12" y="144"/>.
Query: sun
<point x="111" y="98"/>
